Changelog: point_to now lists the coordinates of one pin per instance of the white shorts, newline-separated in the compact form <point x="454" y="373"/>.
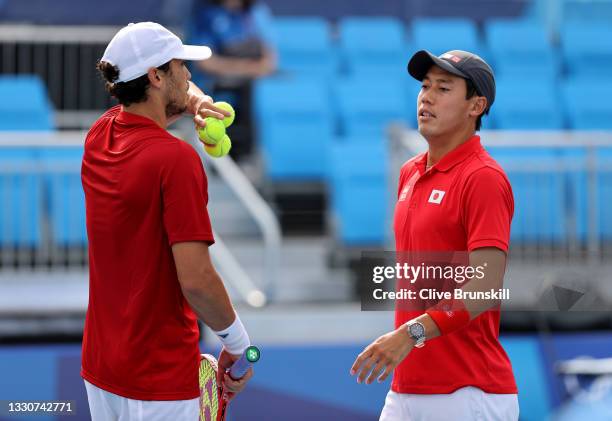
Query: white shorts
<point x="106" y="406"/>
<point x="466" y="404"/>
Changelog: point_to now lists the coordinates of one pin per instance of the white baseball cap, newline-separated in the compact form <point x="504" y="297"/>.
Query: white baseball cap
<point x="139" y="46"/>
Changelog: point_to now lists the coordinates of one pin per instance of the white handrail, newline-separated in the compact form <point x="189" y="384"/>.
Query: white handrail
<point x="261" y="213"/>
<point x="232" y="271"/>
<point x="235" y="179"/>
<point x="586" y="366"/>
<point x="402" y="137"/>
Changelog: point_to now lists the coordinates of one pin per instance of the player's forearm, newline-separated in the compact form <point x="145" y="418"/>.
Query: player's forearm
<point x="492" y="262"/>
<point x="195" y="98"/>
<point x="209" y="300"/>
<point x="221" y="66"/>
<point x="195" y="90"/>
<point x="230" y="66"/>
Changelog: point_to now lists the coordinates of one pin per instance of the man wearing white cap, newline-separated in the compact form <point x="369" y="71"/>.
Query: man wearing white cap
<point x="151" y="276"/>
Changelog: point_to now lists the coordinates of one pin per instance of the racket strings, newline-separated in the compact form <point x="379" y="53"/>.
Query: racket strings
<point x="209" y="399"/>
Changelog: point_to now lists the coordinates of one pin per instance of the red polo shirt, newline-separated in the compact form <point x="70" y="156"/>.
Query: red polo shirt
<point x="462" y="203"/>
<point x="145" y="190"/>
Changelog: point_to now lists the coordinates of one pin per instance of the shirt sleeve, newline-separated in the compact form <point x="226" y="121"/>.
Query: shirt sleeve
<point x="488" y="206"/>
<point x="185" y="197"/>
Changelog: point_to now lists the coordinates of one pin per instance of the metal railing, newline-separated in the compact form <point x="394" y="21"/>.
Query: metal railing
<point x="258" y="209"/>
<point x="261" y="213"/>
<point x="578" y="174"/>
<point x="44" y="252"/>
<point x="64" y="57"/>
<point x="31" y="240"/>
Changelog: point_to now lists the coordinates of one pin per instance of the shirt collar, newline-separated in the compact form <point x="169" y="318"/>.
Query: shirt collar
<point x="128" y="118"/>
<point x="454" y="157"/>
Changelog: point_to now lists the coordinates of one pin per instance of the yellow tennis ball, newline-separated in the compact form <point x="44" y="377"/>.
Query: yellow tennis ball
<point x="222" y="147"/>
<point x="213" y="132"/>
<point x="227" y="107"/>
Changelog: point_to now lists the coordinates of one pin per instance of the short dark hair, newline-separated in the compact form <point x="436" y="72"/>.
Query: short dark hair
<point x="130" y="92"/>
<point x="471" y="91"/>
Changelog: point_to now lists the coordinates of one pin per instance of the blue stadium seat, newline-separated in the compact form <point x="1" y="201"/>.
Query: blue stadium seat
<point x="587" y="11"/>
<point x="586" y="102"/>
<point x="373" y="45"/>
<point x="526" y="104"/>
<point x="413" y="90"/>
<point x="539" y="193"/>
<point x="366" y="107"/>
<point x="304" y="46"/>
<point x="21" y="192"/>
<point x="587" y="49"/>
<point x="441" y="35"/>
<point x="520" y="48"/>
<point x="359" y="198"/>
<point x="66" y="198"/>
<point x="295" y="127"/>
<point x="573" y="176"/>
<point x="26" y="105"/>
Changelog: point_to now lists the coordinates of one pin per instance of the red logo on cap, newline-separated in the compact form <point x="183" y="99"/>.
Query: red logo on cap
<point x="455" y="59"/>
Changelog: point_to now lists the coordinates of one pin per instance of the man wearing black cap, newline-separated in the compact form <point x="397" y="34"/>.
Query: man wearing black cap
<point x="446" y="357"/>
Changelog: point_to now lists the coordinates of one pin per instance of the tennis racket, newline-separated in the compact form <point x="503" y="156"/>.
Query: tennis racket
<point x="212" y="405"/>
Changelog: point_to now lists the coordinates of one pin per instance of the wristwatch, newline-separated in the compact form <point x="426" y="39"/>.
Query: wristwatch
<point x="416" y="330"/>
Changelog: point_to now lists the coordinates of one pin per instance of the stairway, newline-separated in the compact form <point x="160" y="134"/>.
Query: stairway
<point x="303" y="273"/>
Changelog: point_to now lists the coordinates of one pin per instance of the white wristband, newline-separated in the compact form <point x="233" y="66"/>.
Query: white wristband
<point x="235" y="338"/>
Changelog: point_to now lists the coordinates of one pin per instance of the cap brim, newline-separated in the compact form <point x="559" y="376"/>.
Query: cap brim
<point x="421" y="62"/>
<point x="195" y="52"/>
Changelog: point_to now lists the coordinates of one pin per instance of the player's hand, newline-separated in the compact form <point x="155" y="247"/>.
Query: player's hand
<point x="201" y="106"/>
<point x="382" y="356"/>
<point x="230" y="386"/>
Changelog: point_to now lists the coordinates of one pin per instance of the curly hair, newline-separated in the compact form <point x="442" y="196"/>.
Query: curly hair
<point x="130" y="92"/>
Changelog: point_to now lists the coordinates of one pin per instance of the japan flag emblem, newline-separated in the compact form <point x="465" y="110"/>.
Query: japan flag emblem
<point x="436" y="196"/>
<point x="404" y="193"/>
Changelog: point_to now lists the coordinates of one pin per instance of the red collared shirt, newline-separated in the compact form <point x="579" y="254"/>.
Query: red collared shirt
<point x="462" y="203"/>
<point x="145" y="190"/>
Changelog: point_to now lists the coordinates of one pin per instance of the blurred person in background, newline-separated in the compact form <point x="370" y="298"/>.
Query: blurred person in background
<point x="150" y="272"/>
<point x="239" y="34"/>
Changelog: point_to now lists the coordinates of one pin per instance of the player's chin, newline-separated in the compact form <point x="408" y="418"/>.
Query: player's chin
<point x="426" y="129"/>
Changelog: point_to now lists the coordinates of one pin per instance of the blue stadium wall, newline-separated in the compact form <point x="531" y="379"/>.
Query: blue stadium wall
<point x="298" y="382"/>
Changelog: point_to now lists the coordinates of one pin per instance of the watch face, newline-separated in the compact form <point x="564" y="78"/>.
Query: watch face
<point x="417" y="330"/>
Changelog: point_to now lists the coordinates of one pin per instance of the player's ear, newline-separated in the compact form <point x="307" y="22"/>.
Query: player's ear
<point x="479" y="105"/>
<point x="154" y="78"/>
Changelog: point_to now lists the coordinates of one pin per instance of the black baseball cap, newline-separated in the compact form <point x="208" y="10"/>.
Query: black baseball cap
<point x="460" y="63"/>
